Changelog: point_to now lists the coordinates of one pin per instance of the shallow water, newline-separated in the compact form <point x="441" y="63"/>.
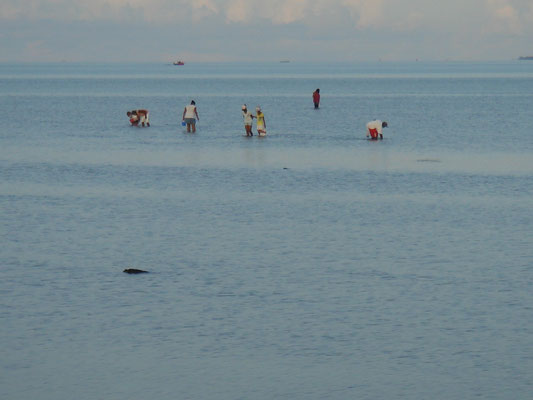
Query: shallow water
<point x="309" y="264"/>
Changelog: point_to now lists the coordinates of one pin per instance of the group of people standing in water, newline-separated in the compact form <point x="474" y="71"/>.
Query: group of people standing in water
<point x="190" y="117"/>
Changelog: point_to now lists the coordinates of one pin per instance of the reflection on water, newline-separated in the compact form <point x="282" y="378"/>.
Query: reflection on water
<point x="363" y="158"/>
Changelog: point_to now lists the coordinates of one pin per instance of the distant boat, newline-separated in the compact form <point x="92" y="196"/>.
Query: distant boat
<point x="285" y="61"/>
<point x="526" y="58"/>
<point x="178" y="63"/>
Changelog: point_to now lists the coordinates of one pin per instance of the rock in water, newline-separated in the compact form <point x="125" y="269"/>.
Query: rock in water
<point x="135" y="271"/>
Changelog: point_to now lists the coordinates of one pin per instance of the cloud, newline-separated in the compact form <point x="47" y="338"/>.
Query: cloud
<point x="205" y="4"/>
<point x="278" y="12"/>
<point x="367" y="13"/>
<point x="238" y="11"/>
<point x="510" y="16"/>
<point x="81" y="10"/>
<point x="305" y="29"/>
<point x="203" y="8"/>
<point x="363" y="13"/>
<point x="505" y="17"/>
<point x="290" y="11"/>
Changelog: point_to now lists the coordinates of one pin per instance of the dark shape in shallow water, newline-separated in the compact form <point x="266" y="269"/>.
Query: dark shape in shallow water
<point x="428" y="160"/>
<point x="135" y="271"/>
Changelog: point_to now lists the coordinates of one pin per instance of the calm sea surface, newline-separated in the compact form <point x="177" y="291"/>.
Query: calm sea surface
<point x="310" y="264"/>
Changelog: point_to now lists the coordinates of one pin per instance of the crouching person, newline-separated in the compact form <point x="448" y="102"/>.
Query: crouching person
<point x="136" y="116"/>
<point x="375" y="129"/>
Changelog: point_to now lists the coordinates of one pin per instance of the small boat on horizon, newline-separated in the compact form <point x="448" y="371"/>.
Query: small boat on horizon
<point x="526" y="58"/>
<point x="178" y="63"/>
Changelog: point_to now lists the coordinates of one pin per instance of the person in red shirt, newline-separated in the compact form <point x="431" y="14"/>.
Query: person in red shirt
<point x="316" y="98"/>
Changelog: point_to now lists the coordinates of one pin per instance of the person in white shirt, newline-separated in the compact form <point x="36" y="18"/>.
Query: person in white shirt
<point x="375" y="128"/>
<point x="248" y="119"/>
<point x="190" y="115"/>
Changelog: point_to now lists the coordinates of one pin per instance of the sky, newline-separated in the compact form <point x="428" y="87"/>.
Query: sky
<point x="264" y="30"/>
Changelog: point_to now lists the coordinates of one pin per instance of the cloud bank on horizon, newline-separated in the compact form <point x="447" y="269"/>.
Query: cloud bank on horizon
<point x="223" y="30"/>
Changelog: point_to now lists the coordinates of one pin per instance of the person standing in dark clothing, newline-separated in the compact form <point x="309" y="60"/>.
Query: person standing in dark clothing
<point x="316" y="98"/>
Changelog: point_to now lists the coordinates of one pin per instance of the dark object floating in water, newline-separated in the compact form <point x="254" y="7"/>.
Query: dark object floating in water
<point x="428" y="160"/>
<point x="135" y="271"/>
<point x="285" y="168"/>
<point x="526" y="58"/>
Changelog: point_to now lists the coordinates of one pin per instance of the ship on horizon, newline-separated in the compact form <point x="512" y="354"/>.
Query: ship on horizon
<point x="526" y="58"/>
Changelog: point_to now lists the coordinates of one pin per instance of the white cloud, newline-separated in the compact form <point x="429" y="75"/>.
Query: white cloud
<point x="510" y="16"/>
<point x="505" y="17"/>
<point x="290" y="11"/>
<point x="277" y="11"/>
<point x="368" y="13"/>
<point x="77" y="10"/>
<point x="202" y="9"/>
<point x="238" y="11"/>
<point x="364" y="12"/>
<point x="212" y="29"/>
<point x="205" y="4"/>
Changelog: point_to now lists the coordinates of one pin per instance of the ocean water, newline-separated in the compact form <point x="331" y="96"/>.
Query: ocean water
<point x="310" y="264"/>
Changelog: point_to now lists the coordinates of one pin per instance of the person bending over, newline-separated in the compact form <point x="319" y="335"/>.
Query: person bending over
<point x="141" y="115"/>
<point x="375" y="129"/>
